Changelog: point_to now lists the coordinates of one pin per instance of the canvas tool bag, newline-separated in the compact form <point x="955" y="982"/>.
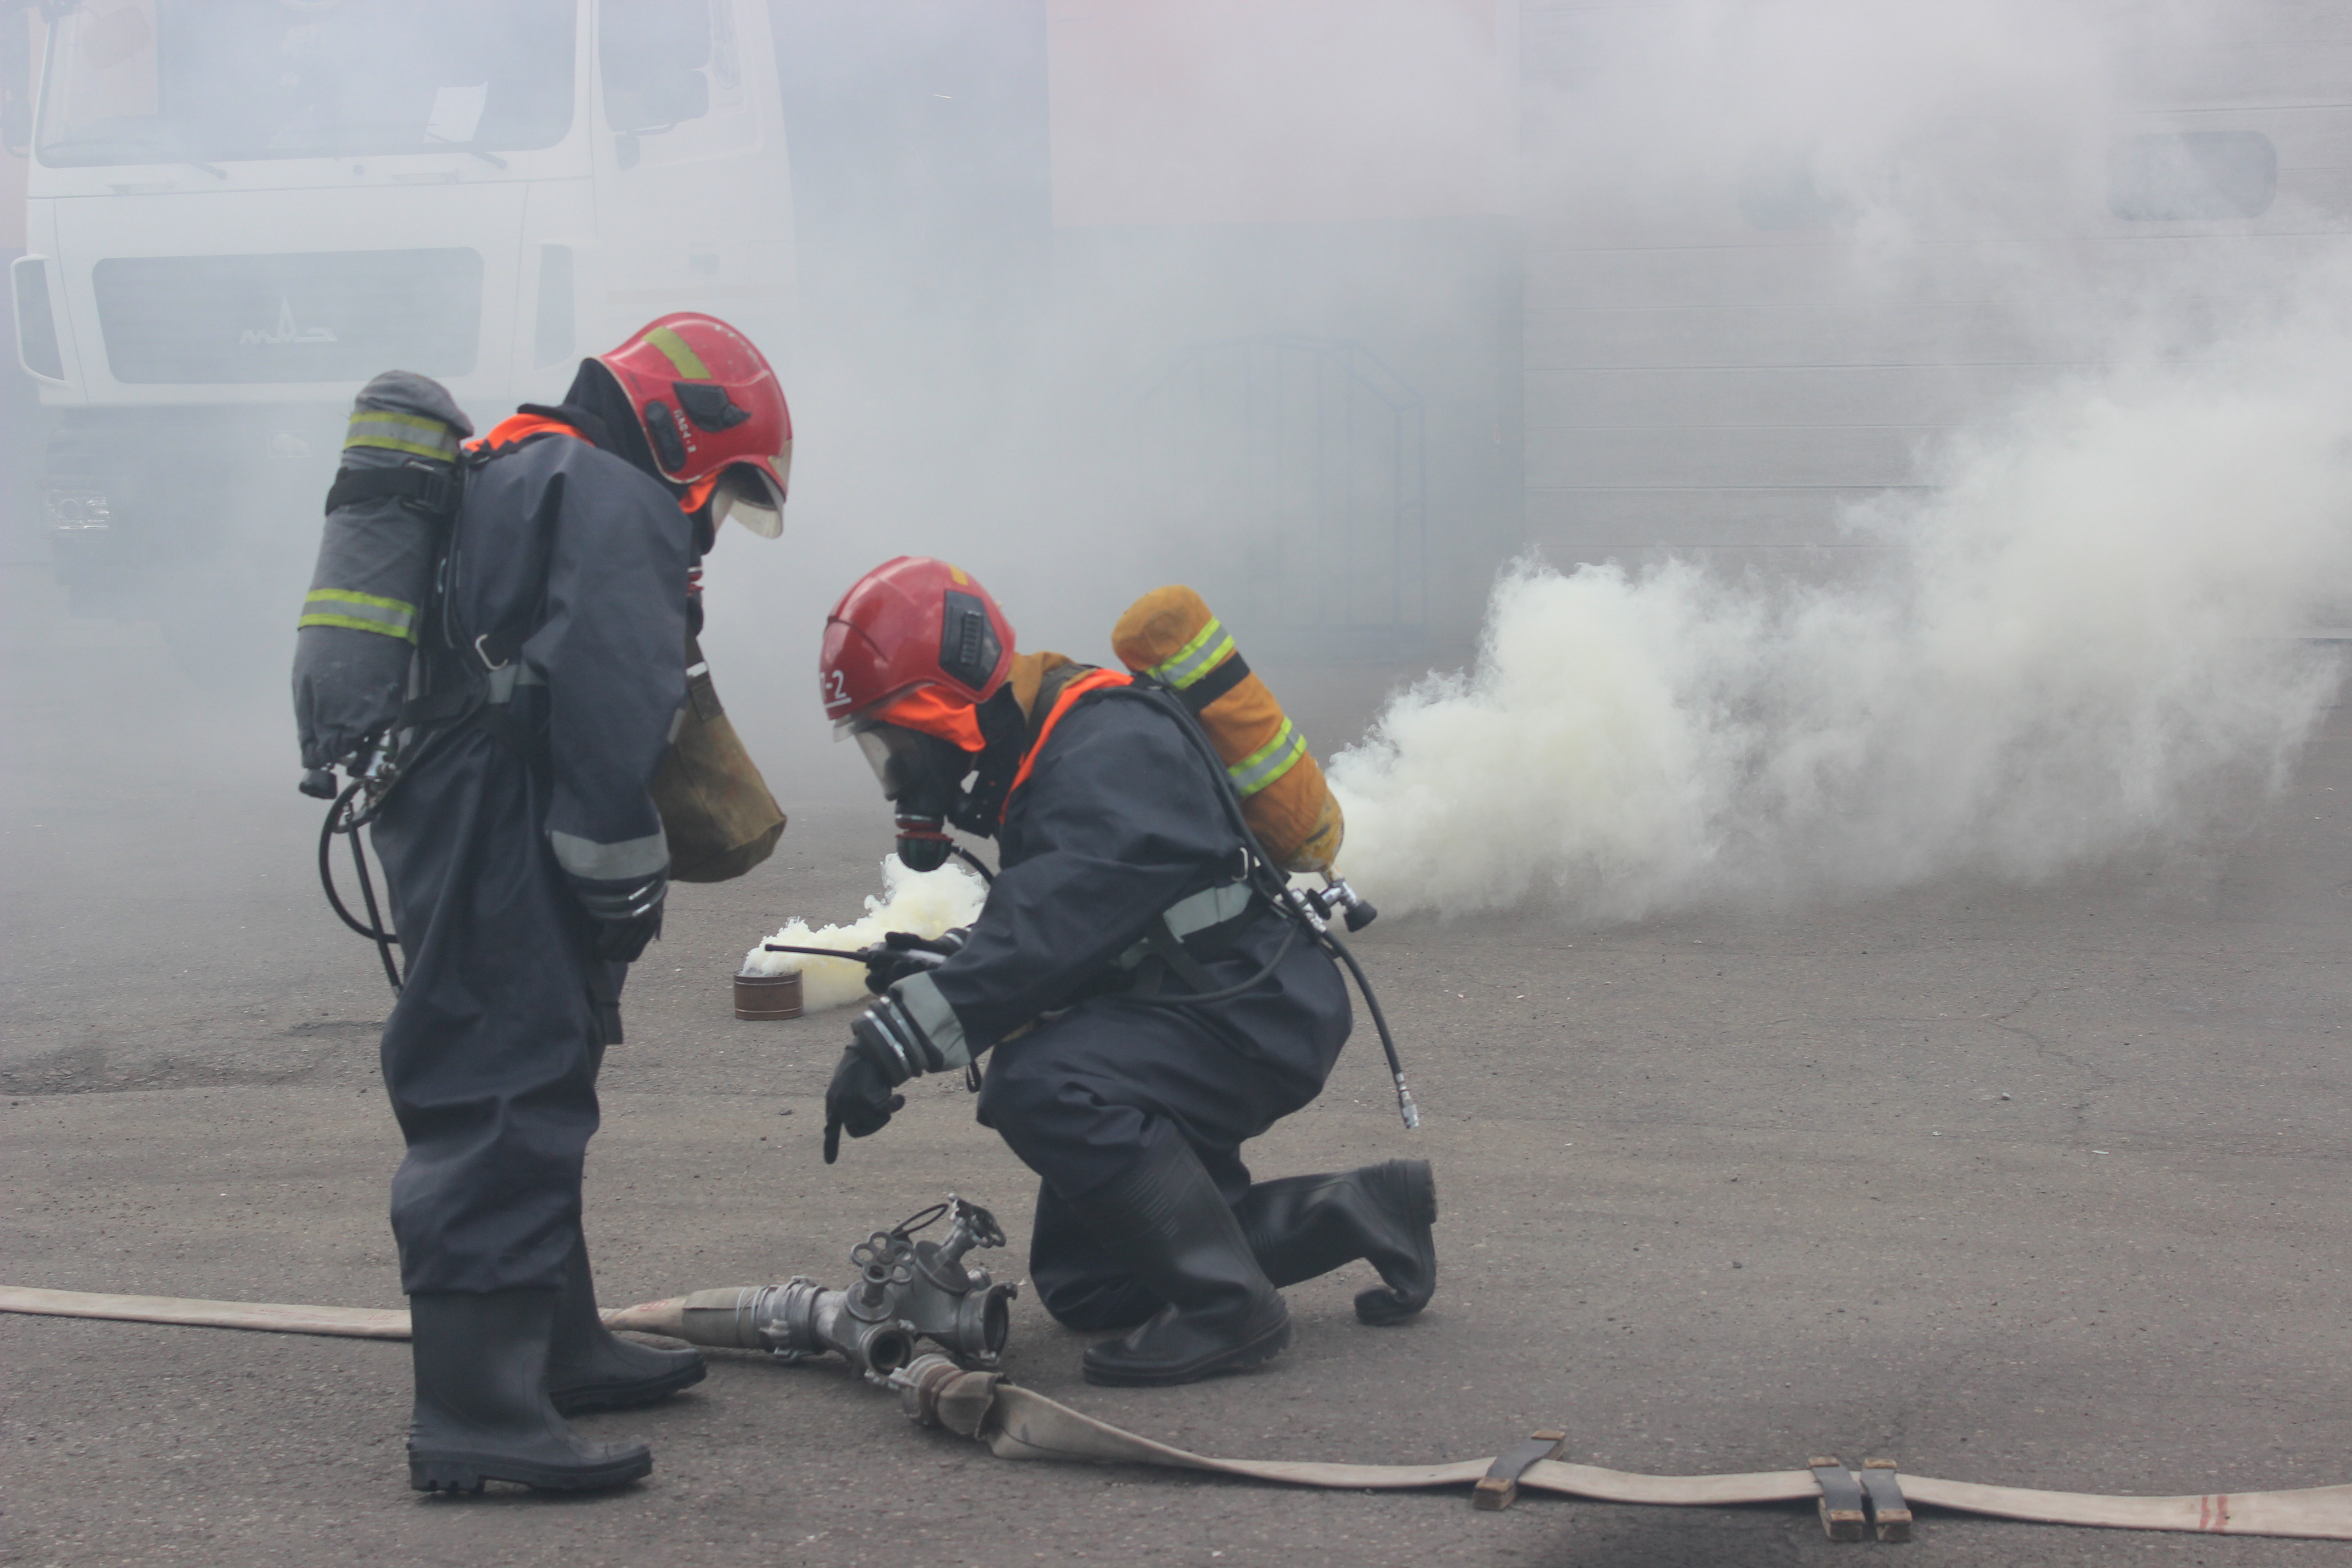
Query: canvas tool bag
<point x="717" y="810"/>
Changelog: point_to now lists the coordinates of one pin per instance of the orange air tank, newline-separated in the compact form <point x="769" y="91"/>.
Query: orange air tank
<point x="1171" y="636"/>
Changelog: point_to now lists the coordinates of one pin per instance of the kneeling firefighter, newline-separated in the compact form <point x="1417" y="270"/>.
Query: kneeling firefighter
<point x="1147" y="1003"/>
<point x="523" y="838"/>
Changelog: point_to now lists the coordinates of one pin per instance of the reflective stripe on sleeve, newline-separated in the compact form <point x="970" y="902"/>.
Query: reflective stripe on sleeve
<point x="594" y="862"/>
<point x="411" y="433"/>
<point x="358" y="613"/>
<point x="1269" y="761"/>
<point x="920" y="996"/>
<point x="1207" y="649"/>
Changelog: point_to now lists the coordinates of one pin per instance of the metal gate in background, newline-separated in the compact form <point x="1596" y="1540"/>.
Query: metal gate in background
<point x="1289" y="474"/>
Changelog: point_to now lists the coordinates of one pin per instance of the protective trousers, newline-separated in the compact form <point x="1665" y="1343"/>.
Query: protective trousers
<point x="491" y="1055"/>
<point x="1081" y="1098"/>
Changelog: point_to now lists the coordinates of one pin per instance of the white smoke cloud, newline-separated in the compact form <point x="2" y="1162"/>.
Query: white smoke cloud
<point x="2080" y="636"/>
<point x="2084" y="642"/>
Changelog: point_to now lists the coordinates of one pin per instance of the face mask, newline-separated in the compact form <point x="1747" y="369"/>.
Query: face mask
<point x="920" y="774"/>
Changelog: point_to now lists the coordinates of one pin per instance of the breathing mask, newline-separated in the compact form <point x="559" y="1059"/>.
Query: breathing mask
<point x="922" y="775"/>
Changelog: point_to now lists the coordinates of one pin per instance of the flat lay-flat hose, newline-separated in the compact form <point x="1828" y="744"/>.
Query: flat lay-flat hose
<point x="1016" y="1423"/>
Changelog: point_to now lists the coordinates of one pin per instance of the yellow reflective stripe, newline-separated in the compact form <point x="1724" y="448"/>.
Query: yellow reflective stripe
<point x="353" y="623"/>
<point x="682" y="357"/>
<point x="1269" y="761"/>
<point x="360" y="612"/>
<point x="402" y="433"/>
<point x="381" y="603"/>
<point x="411" y="448"/>
<point x="1207" y="650"/>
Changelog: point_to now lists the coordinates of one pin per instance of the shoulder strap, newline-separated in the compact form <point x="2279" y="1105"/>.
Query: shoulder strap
<point x="430" y="488"/>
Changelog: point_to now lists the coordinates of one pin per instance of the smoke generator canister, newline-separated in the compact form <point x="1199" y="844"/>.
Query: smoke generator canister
<point x="1171" y="636"/>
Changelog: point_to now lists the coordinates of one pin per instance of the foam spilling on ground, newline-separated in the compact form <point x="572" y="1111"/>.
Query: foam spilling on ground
<point x="924" y="902"/>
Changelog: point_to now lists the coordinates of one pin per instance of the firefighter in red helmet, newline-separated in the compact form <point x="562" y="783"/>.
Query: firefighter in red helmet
<point x="528" y="867"/>
<point x="1140" y="1004"/>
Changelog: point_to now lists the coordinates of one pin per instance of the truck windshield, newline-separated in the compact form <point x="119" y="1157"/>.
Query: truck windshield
<point x="147" y="82"/>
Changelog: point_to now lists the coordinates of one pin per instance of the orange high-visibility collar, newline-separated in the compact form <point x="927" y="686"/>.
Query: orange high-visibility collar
<point x="519" y="427"/>
<point x="1094" y="682"/>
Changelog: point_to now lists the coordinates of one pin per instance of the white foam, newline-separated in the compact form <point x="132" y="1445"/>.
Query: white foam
<point x="924" y="902"/>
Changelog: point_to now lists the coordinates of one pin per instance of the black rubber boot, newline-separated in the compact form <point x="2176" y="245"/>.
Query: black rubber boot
<point x="1165" y="1224"/>
<point x="482" y="1412"/>
<point x="1303" y="1226"/>
<point x="589" y="1367"/>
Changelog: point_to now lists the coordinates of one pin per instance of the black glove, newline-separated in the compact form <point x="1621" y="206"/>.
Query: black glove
<point x="903" y="953"/>
<point x="622" y="941"/>
<point x="887" y="1048"/>
<point x="628" y="915"/>
<point x="859" y="1098"/>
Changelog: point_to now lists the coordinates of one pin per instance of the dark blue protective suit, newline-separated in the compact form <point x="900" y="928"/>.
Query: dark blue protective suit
<point x="1118" y="819"/>
<point x="519" y="832"/>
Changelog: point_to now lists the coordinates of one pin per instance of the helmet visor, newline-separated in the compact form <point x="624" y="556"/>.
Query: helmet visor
<point x="893" y="753"/>
<point x="750" y="495"/>
<point x="913" y="767"/>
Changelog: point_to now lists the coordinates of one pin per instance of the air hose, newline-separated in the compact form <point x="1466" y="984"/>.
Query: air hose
<point x="376" y="770"/>
<point x="346" y="818"/>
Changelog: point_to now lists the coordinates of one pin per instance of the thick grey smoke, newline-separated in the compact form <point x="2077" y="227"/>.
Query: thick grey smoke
<point x="2082" y="639"/>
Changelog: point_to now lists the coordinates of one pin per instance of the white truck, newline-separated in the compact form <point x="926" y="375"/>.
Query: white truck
<point x="239" y="210"/>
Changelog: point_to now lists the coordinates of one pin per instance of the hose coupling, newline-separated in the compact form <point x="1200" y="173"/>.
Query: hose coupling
<point x="907" y="1291"/>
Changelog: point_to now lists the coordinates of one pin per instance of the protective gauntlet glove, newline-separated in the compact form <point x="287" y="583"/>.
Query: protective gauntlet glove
<point x="887" y="1048"/>
<point x="903" y="953"/>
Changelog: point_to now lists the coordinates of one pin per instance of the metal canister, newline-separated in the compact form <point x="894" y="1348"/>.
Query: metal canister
<point x="768" y="995"/>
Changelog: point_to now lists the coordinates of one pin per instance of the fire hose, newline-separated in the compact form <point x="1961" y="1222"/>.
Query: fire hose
<point x="908" y="1291"/>
<point x="1017" y="1423"/>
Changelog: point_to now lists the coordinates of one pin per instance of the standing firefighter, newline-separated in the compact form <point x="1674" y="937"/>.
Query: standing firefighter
<point x="1122" y="891"/>
<point x="528" y="861"/>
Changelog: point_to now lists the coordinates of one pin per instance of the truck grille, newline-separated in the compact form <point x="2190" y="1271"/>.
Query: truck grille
<point x="332" y="316"/>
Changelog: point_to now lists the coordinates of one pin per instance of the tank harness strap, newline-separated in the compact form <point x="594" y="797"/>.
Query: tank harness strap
<point x="427" y="487"/>
<point x="1204" y="668"/>
<point x="1166" y="956"/>
<point x="487" y="707"/>
<point x="1207" y="920"/>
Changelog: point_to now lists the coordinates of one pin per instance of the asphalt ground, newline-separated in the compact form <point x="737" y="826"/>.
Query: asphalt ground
<point x="2041" y="1186"/>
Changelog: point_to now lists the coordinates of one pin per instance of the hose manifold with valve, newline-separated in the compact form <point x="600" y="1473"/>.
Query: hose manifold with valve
<point x="906" y="1291"/>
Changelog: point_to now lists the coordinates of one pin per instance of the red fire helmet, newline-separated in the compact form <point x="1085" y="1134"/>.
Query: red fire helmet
<point x="913" y="622"/>
<point x="710" y="407"/>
